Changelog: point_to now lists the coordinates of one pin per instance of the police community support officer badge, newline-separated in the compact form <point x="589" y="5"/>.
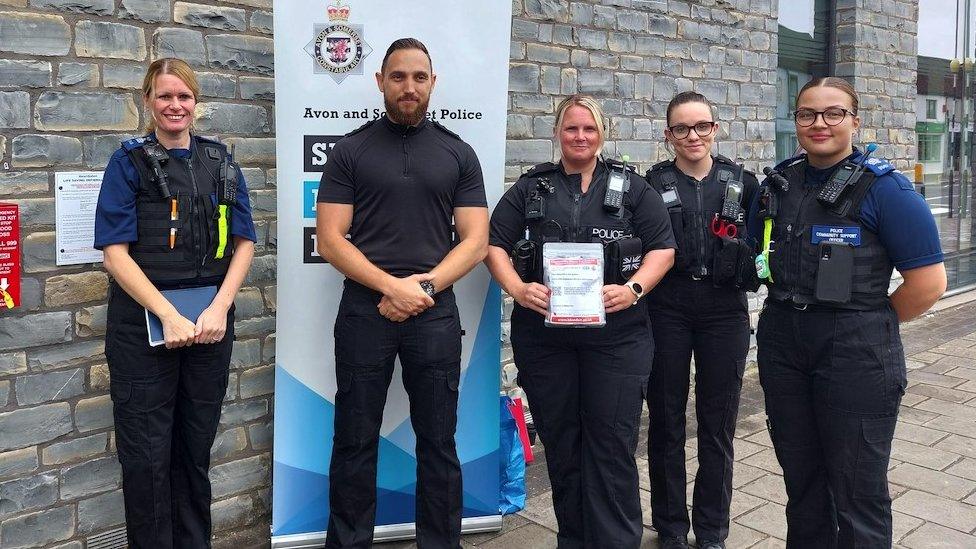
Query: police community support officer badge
<point x="338" y="48"/>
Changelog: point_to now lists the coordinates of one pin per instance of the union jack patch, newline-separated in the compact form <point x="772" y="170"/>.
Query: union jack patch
<point x="631" y="263"/>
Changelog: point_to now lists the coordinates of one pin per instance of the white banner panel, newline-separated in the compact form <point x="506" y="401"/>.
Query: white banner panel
<point x="326" y="54"/>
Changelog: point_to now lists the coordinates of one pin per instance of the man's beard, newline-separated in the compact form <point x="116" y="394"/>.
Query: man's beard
<point x="399" y="116"/>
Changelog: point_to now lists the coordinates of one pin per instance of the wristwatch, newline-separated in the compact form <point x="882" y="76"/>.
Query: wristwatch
<point x="428" y="287"/>
<point x="637" y="289"/>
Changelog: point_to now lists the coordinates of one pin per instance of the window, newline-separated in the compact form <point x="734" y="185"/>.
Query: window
<point x="930" y="147"/>
<point x="930" y="112"/>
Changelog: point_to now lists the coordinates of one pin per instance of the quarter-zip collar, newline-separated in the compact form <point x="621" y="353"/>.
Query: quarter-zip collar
<point x="404" y="129"/>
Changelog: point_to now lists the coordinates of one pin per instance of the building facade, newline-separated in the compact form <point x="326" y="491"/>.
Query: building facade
<point x="70" y="71"/>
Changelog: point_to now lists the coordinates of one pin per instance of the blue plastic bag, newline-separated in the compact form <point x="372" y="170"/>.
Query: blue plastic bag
<point x="512" y="463"/>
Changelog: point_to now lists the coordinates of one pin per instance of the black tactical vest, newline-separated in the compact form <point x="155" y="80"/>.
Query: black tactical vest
<point x="692" y="216"/>
<point x="193" y="182"/>
<point x="803" y="224"/>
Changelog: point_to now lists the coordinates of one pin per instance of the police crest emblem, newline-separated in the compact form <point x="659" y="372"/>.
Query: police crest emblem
<point x="338" y="48"/>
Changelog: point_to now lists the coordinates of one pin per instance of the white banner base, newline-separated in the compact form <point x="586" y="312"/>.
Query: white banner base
<point x="390" y="532"/>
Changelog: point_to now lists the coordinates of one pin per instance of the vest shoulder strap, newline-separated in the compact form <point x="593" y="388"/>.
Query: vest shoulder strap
<point x="540" y="169"/>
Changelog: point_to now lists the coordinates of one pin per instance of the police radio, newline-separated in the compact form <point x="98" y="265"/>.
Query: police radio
<point x="157" y="157"/>
<point x="844" y="177"/>
<point x="616" y="187"/>
<point x="228" y="181"/>
<point x="732" y="207"/>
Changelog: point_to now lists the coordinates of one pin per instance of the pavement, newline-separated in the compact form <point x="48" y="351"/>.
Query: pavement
<point x="932" y="474"/>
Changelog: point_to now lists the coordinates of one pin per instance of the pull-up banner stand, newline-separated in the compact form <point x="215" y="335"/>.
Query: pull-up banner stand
<point x="326" y="55"/>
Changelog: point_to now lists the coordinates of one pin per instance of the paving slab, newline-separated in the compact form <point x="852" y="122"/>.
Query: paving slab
<point x="933" y="536"/>
<point x="947" y="512"/>
<point x="933" y="482"/>
<point x="932" y="458"/>
<point x="918" y="434"/>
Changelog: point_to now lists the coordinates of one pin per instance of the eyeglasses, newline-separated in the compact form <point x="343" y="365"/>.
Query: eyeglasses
<point x="702" y="129"/>
<point x="831" y="116"/>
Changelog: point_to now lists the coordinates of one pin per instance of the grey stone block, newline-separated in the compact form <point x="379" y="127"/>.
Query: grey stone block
<point x="90" y="321"/>
<point x="35" y="330"/>
<point x="69" y="289"/>
<point x="257" y="87"/>
<point x="18" y="462"/>
<point x="254" y="178"/>
<point x="214" y="17"/>
<point x="97" y="7"/>
<point x="523" y="77"/>
<point x="34" y="34"/>
<point x="183" y="43"/>
<point x="149" y="11"/>
<point x="263" y="270"/>
<point x="568" y="83"/>
<point x="663" y="25"/>
<point x="532" y="103"/>
<point x="549" y="80"/>
<point x="604" y="60"/>
<point x="92" y="414"/>
<point x="128" y="77"/>
<point x="4" y="393"/>
<point x="14" y="109"/>
<point x="26" y="494"/>
<point x="35" y="150"/>
<point x="101" y="512"/>
<point x="257" y="381"/>
<point x="100" y="148"/>
<point x="13" y="363"/>
<point x="596" y="82"/>
<point x="548" y="10"/>
<point x="631" y="21"/>
<point x="547" y="54"/>
<point x="249" y="303"/>
<point x="39" y="388"/>
<point x="240" y="476"/>
<point x="36" y="211"/>
<point x="261" y="435"/>
<point x="38" y="529"/>
<point x="268" y="353"/>
<point x="29" y="426"/>
<point x="228" y="443"/>
<point x="245" y="354"/>
<point x="74" y="450"/>
<point x="235" y="413"/>
<point x="104" y="39"/>
<point x="24" y="73"/>
<point x="254" y="326"/>
<point x="91" y="477"/>
<point x="98" y="377"/>
<point x="61" y="356"/>
<point x="253" y="150"/>
<point x="262" y="21"/>
<point x="73" y="74"/>
<point x="64" y="111"/>
<point x="235" y="512"/>
<point x="524" y="30"/>
<point x="245" y="53"/>
<point x="591" y="39"/>
<point x="528" y="151"/>
<point x="231" y="118"/>
<point x="542" y="126"/>
<point x="214" y="84"/>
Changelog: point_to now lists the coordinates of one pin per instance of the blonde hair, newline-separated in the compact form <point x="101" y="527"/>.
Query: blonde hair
<point x="167" y="65"/>
<point x="588" y="103"/>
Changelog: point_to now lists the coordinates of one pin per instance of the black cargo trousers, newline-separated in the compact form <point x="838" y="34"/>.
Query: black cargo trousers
<point x="166" y="405"/>
<point x="366" y="347"/>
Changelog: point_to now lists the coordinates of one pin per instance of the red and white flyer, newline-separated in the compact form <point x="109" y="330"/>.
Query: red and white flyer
<point x="573" y="272"/>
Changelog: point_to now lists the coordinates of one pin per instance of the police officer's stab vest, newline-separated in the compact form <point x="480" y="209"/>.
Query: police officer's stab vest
<point x="795" y="259"/>
<point x="193" y="182"/>
<point x="696" y="243"/>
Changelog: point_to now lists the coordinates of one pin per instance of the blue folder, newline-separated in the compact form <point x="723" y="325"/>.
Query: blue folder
<point x="190" y="302"/>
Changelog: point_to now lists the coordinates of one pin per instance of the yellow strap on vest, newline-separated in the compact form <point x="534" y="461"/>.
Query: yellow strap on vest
<point x="767" y="240"/>
<point x="221" y="230"/>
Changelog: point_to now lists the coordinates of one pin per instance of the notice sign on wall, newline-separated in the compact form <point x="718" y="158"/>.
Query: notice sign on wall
<point x="75" y="198"/>
<point x="9" y="257"/>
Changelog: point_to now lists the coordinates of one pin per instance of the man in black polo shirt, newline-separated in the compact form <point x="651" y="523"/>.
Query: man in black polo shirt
<point x="394" y="185"/>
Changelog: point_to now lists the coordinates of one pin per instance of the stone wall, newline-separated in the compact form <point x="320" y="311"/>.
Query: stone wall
<point x="877" y="45"/>
<point x="70" y="71"/>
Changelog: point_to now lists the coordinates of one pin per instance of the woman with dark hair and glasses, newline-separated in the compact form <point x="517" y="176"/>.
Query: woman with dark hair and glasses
<point x="834" y="223"/>
<point x="700" y="309"/>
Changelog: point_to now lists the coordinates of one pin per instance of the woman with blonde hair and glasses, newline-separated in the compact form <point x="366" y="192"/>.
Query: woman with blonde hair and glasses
<point x="173" y="219"/>
<point x="585" y="386"/>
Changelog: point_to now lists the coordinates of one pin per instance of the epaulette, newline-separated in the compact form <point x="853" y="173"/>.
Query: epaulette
<point x="441" y="127"/>
<point x="134" y="143"/>
<point x="215" y="150"/>
<point x="361" y="128"/>
<point x="539" y="169"/>
<point x="661" y="166"/>
<point x="878" y="166"/>
<point x="617" y="164"/>
<point x="725" y="160"/>
<point x="790" y="161"/>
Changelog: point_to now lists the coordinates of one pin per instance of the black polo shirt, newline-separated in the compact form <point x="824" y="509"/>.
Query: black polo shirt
<point x="404" y="183"/>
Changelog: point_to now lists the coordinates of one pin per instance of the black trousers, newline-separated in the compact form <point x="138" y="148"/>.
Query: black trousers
<point x="833" y="382"/>
<point x="694" y="318"/>
<point x="586" y="390"/>
<point x="167" y="407"/>
<point x="429" y="347"/>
